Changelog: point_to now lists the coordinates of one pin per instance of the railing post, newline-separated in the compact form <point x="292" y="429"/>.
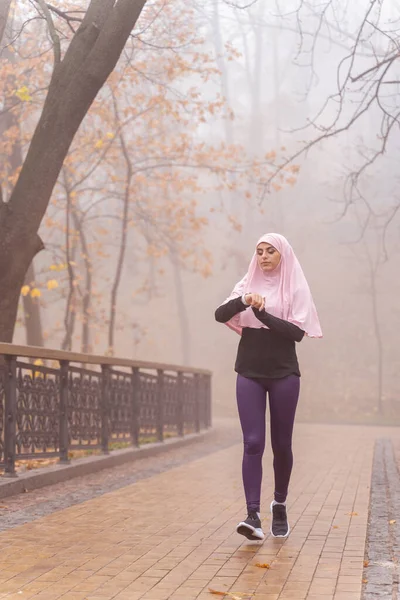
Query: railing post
<point x="10" y="410"/>
<point x="180" y="410"/>
<point x="135" y="396"/>
<point x="64" y="365"/>
<point x="105" y="406"/>
<point x="209" y="400"/>
<point x="203" y="401"/>
<point x="160" y="405"/>
<point x="197" y="402"/>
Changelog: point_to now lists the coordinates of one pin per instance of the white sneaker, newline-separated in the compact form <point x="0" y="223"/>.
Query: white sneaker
<point x="251" y="527"/>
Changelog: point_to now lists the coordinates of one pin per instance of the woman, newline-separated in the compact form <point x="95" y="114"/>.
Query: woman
<point x="272" y="309"/>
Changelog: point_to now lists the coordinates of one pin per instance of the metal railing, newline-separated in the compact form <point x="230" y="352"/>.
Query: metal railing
<point x="52" y="402"/>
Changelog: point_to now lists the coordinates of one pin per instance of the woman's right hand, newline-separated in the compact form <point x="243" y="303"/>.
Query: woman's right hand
<point x="255" y="300"/>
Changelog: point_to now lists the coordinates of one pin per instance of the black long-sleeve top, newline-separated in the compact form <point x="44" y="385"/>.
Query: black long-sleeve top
<point x="269" y="353"/>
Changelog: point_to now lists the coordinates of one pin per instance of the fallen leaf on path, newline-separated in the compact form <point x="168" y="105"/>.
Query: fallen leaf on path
<point x="263" y="565"/>
<point x="353" y="514"/>
<point x="365" y="580"/>
<point x="234" y="596"/>
<point x="3" y="507"/>
<point x="366" y="563"/>
<point x="335" y="527"/>
<point x="392" y="522"/>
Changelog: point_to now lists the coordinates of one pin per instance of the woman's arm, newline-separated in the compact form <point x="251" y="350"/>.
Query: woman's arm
<point x="225" y="312"/>
<point x="288" y="330"/>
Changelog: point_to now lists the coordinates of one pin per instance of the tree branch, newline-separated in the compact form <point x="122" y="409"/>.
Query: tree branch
<point x="67" y="15"/>
<point x="235" y="5"/>
<point x="376" y="67"/>
<point x="52" y="30"/>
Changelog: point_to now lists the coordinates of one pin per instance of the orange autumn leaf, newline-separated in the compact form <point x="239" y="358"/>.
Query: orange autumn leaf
<point x="366" y="563"/>
<point x="263" y="565"/>
<point x="353" y="514"/>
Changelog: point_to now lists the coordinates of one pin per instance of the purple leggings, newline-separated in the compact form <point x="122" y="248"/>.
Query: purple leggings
<point x="251" y="398"/>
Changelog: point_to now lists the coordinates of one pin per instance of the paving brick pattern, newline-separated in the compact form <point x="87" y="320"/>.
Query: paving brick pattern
<point x="24" y="508"/>
<point x="172" y="536"/>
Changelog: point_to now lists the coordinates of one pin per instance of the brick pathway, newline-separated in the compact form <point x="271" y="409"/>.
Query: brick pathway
<point x="24" y="508"/>
<point x="171" y="536"/>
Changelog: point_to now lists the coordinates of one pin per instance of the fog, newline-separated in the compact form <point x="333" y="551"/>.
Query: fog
<point x="276" y="81"/>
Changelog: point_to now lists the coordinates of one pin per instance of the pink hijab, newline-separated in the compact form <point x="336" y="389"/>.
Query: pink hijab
<point x="285" y="290"/>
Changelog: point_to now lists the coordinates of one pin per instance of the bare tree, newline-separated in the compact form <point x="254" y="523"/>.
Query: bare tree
<point x="367" y="94"/>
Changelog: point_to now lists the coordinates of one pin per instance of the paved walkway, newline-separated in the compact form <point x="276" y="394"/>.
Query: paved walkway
<point x="171" y="536"/>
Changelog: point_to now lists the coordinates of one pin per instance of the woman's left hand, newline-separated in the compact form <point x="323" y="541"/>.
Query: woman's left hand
<point x="256" y="300"/>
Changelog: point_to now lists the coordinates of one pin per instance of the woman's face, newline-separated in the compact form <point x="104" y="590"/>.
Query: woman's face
<point x="268" y="257"/>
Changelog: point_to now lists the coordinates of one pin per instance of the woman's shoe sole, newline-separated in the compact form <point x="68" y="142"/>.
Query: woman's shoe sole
<point x="256" y="535"/>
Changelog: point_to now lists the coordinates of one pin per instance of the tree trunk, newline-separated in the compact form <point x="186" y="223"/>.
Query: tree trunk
<point x="91" y="57"/>
<point x="378" y="335"/>
<point x="87" y="296"/>
<point x="280" y="225"/>
<point x="256" y="125"/>
<point x="87" y="293"/>
<point x="117" y="277"/>
<point x="70" y="307"/>
<point x="219" y="50"/>
<point x="32" y="316"/>
<point x="4" y="12"/>
<point x="8" y="120"/>
<point x="122" y="246"/>
<point x="225" y="89"/>
<point x="182" y="310"/>
<point x="256" y="129"/>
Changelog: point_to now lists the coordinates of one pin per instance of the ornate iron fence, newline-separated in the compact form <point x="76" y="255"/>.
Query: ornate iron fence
<point x="52" y="402"/>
